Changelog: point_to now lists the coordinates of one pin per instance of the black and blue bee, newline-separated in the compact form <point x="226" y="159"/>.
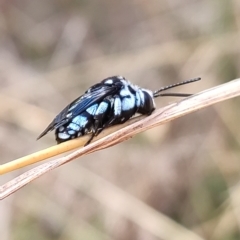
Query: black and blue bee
<point x="112" y="101"/>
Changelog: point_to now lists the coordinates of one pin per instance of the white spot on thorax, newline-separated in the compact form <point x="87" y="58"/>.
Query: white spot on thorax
<point x="128" y="102"/>
<point x="117" y="106"/>
<point x="138" y="99"/>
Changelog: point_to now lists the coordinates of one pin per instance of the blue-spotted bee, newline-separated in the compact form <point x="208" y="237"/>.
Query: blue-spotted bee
<point x="112" y="101"/>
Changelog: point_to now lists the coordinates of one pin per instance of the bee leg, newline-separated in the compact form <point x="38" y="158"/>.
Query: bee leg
<point x="99" y="116"/>
<point x="95" y="133"/>
<point x="90" y="139"/>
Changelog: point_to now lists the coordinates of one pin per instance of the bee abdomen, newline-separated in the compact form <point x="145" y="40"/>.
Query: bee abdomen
<point x="78" y="126"/>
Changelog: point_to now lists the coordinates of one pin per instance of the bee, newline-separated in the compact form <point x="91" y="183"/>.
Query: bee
<point x="112" y="101"/>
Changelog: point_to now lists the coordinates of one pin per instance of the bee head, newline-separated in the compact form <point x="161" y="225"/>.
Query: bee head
<point x="147" y="105"/>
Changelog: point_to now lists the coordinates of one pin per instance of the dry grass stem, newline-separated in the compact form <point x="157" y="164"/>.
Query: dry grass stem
<point x="160" y="116"/>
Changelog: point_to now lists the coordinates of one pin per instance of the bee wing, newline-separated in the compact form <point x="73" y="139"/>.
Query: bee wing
<point x="79" y="105"/>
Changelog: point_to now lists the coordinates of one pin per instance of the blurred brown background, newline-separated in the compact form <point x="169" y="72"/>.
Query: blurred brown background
<point x="187" y="171"/>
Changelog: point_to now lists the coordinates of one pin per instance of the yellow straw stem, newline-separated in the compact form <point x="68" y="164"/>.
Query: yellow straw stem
<point x="57" y="149"/>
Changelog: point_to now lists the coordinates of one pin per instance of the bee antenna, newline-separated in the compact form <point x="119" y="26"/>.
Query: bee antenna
<point x="156" y="93"/>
